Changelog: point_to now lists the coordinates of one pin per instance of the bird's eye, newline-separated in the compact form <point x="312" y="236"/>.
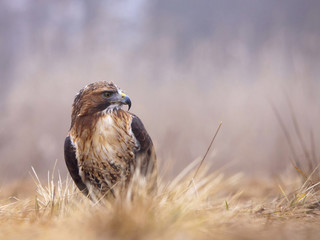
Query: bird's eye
<point x="107" y="94"/>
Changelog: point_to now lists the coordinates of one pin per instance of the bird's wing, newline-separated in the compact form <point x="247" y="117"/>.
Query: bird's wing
<point x="72" y="165"/>
<point x="145" y="156"/>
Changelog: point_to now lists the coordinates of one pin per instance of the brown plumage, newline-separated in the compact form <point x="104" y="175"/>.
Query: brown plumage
<point x="105" y="144"/>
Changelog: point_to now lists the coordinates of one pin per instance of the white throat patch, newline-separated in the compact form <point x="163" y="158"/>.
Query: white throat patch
<point x="112" y="107"/>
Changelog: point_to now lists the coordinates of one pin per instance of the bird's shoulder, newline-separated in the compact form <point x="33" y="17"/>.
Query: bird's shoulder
<point x="140" y="132"/>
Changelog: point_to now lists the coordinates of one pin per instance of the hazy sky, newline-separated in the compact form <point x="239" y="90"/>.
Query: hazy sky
<point x="186" y="64"/>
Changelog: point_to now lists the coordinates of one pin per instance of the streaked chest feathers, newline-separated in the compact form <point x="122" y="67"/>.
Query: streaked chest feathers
<point x="106" y="151"/>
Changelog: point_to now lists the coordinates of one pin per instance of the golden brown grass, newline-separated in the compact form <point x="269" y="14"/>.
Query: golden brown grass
<point x="211" y="207"/>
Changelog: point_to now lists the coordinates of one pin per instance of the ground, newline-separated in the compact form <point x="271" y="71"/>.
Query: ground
<point x="208" y="206"/>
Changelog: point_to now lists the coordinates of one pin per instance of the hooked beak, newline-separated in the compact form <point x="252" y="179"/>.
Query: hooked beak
<point x="125" y="100"/>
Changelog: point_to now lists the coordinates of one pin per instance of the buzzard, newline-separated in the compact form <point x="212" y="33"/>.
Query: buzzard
<point x="106" y="145"/>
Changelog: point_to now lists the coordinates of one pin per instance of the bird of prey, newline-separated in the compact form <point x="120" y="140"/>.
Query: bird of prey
<point x="106" y="145"/>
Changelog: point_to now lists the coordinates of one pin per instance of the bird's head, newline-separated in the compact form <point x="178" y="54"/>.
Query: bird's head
<point x="98" y="97"/>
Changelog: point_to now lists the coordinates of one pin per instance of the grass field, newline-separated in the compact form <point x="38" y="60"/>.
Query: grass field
<point x="209" y="206"/>
<point x="186" y="66"/>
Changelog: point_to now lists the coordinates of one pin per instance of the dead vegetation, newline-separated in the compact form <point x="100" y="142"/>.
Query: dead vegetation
<point x="196" y="204"/>
<point x="212" y="207"/>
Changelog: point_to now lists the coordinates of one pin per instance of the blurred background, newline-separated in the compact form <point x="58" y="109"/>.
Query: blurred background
<point x="186" y="65"/>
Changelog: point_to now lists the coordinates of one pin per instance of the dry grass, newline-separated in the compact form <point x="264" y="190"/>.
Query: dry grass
<point x="212" y="207"/>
